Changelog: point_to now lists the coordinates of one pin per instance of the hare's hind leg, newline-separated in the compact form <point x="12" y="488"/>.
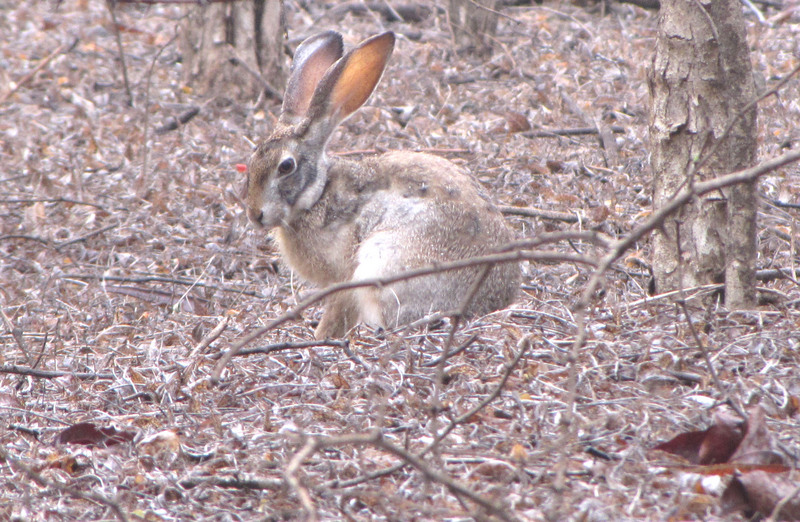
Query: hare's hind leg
<point x="370" y="307"/>
<point x="341" y="313"/>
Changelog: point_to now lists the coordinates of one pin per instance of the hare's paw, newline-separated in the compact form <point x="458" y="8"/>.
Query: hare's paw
<point x="340" y="315"/>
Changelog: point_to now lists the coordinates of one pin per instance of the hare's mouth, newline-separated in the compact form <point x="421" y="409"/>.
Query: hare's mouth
<point x="268" y="218"/>
<point x="256" y="217"/>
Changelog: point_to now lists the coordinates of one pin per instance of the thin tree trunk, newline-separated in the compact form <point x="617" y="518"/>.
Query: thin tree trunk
<point x="234" y="49"/>
<point x="701" y="77"/>
<point x="474" y="23"/>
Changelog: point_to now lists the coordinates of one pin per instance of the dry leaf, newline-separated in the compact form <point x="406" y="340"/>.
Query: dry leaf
<point x="714" y="445"/>
<point x="164" y="442"/>
<point x="759" y="492"/>
<point x="88" y="434"/>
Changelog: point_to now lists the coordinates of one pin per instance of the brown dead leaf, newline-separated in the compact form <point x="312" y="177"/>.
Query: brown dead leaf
<point x="599" y="214"/>
<point x="728" y="445"/>
<point x="69" y="464"/>
<point x="340" y="381"/>
<point x="758" y="445"/>
<point x="88" y="434"/>
<point x="35" y="217"/>
<point x="516" y="122"/>
<point x="758" y="493"/>
<point x="494" y="470"/>
<point x="714" y="445"/>
<point x="165" y="442"/>
<point x="519" y="453"/>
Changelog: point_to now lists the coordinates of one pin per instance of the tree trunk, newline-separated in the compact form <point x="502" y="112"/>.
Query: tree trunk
<point x="474" y="23"/>
<point x="701" y="78"/>
<point x="234" y="49"/>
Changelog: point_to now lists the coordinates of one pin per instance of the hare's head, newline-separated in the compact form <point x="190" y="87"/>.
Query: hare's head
<point x="289" y="170"/>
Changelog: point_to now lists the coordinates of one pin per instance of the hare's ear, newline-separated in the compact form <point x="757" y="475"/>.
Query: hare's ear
<point x="352" y="79"/>
<point x="312" y="59"/>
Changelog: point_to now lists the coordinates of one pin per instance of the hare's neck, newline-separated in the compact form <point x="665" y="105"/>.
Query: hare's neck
<point x="319" y="243"/>
<point x="316" y="189"/>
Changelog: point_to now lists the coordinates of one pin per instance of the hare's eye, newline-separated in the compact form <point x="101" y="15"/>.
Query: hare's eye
<point x="286" y="166"/>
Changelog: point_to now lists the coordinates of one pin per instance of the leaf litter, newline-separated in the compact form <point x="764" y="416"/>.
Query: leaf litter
<point x="114" y="280"/>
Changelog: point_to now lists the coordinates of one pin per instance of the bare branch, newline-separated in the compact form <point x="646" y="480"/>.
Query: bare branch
<point x="539" y="213"/>
<point x="160" y="279"/>
<point x="237" y="482"/>
<point x="112" y="11"/>
<point x="579" y="131"/>
<point x="294" y="313"/>
<point x="41" y="65"/>
<point x="52" y="374"/>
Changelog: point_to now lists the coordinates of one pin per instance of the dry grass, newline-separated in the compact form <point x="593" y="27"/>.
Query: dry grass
<point x="113" y="277"/>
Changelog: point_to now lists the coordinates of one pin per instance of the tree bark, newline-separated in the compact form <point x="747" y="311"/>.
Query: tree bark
<point x="700" y="79"/>
<point x="234" y="49"/>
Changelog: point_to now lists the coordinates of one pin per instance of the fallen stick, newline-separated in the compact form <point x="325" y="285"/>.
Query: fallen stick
<point x="579" y="131"/>
<point x="28" y="77"/>
<point x="51" y="374"/>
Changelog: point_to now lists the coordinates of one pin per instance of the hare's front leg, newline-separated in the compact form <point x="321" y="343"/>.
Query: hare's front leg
<point x="346" y="309"/>
<point x="341" y="314"/>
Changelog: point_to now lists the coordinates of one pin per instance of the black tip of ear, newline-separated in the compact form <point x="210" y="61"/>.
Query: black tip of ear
<point x="331" y="41"/>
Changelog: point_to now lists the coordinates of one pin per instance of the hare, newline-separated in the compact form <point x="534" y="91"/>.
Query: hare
<point x="340" y="220"/>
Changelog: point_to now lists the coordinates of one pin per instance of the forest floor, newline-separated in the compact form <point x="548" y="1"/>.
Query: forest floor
<point x="113" y="270"/>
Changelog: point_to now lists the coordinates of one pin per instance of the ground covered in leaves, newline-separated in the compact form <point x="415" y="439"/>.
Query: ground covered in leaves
<point x="124" y="250"/>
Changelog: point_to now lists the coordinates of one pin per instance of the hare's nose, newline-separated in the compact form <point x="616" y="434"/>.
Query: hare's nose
<point x="255" y="216"/>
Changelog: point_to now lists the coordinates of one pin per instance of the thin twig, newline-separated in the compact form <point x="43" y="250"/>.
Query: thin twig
<point x="708" y="155"/>
<point x="775" y="515"/>
<point x="17" y="334"/>
<point x="59" y="246"/>
<point x="755" y="10"/>
<point x="539" y="213"/>
<point x="452" y="353"/>
<point x="52" y="374"/>
<point x="309" y="448"/>
<point x="297" y="345"/>
<point x="237" y="482"/>
<point x="204" y="343"/>
<point x="513" y="252"/>
<point x="160" y="279"/>
<point x="271" y="91"/>
<point x="579" y="131"/>
<point x="112" y="11"/>
<point x="175" y="122"/>
<point x="440" y="478"/>
<point x="456" y="318"/>
<point x="657" y="218"/>
<point x="145" y="147"/>
<point x="695" y="291"/>
<point x="210" y="337"/>
<point x="714" y="375"/>
<point x="41" y="65"/>
<point x="51" y="200"/>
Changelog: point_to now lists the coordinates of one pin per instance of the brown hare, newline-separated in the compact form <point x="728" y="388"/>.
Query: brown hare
<point x="341" y="220"/>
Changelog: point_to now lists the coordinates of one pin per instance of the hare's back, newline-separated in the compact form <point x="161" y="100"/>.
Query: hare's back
<point x="432" y="210"/>
<point x="416" y="174"/>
